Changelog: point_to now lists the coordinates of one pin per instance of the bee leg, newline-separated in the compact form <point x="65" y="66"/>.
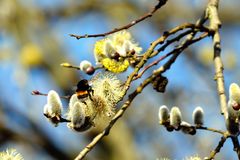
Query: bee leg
<point x="89" y="93"/>
<point x="84" y="102"/>
<point x="90" y="97"/>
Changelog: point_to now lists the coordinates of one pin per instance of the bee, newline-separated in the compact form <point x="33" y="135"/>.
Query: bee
<point x="84" y="89"/>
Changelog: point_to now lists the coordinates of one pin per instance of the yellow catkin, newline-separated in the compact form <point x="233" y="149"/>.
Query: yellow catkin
<point x="99" y="50"/>
<point x="10" y="154"/>
<point x="115" y="66"/>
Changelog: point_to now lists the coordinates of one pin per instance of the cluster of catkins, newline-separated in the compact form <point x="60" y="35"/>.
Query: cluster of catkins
<point x="117" y="52"/>
<point x="114" y="53"/>
<point x="233" y="114"/>
<point x="84" y="113"/>
<point x="173" y="120"/>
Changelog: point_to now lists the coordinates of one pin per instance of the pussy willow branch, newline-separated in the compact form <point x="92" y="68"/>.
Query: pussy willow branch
<point x="210" y="129"/>
<point x="197" y="128"/>
<point x="214" y="25"/>
<point x="162" y="48"/>
<point x="150" y="52"/>
<point x="193" y="27"/>
<point x="218" y="148"/>
<point x="147" y="15"/>
<point x="139" y="89"/>
<point x="162" y="57"/>
<point x="219" y="77"/>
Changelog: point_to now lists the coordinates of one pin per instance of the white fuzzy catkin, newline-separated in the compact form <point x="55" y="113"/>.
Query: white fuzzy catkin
<point x="10" y="154"/>
<point x="234" y="92"/>
<point x="109" y="49"/>
<point x="45" y="109"/>
<point x="73" y="100"/>
<point x="175" y="117"/>
<point x="84" y="65"/>
<point x="163" y="114"/>
<point x="54" y="103"/>
<point x="234" y="96"/>
<point x="76" y="115"/>
<point x="107" y="86"/>
<point x="232" y="120"/>
<point x="198" y="115"/>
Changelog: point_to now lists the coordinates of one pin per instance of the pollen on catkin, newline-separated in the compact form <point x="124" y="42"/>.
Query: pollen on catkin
<point x="114" y="51"/>
<point x="10" y="154"/>
<point x="175" y="117"/>
<point x="123" y="39"/>
<point x="115" y="66"/>
<point x="163" y="114"/>
<point x="109" y="87"/>
<point x="196" y="157"/>
<point x="108" y="49"/>
<point x="99" y="50"/>
<point x="197" y="116"/>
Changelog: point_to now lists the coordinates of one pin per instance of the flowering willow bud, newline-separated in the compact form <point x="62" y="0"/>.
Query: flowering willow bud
<point x="163" y="114"/>
<point x="175" y="117"/>
<point x="197" y="116"/>
<point x="109" y="87"/>
<point x="87" y="67"/>
<point x="79" y="121"/>
<point x="109" y="50"/>
<point x="234" y="96"/>
<point x="73" y="100"/>
<point x="65" y="64"/>
<point x="231" y="121"/>
<point x="125" y="48"/>
<point x="10" y="154"/>
<point x="52" y="110"/>
<point x="54" y="102"/>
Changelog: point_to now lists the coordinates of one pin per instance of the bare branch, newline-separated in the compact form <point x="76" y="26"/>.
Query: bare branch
<point x="147" y="15"/>
<point x="218" y="148"/>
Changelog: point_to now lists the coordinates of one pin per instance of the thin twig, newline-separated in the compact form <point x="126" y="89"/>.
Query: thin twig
<point x="150" y="52"/>
<point x="147" y="15"/>
<point x="162" y="48"/>
<point x="38" y="93"/>
<point x="219" y="77"/>
<point x="218" y="148"/>
<point x="210" y="129"/>
<point x="236" y="146"/>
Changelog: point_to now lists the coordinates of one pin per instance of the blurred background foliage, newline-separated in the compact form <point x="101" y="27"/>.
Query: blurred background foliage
<point x="34" y="41"/>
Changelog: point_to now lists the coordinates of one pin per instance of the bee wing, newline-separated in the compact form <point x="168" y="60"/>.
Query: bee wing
<point x="74" y="88"/>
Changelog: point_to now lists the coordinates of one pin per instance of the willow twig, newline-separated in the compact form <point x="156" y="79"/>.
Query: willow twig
<point x="38" y="93"/>
<point x="210" y="129"/>
<point x="147" y="15"/>
<point x="219" y="77"/>
<point x="150" y="52"/>
<point x="218" y="148"/>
